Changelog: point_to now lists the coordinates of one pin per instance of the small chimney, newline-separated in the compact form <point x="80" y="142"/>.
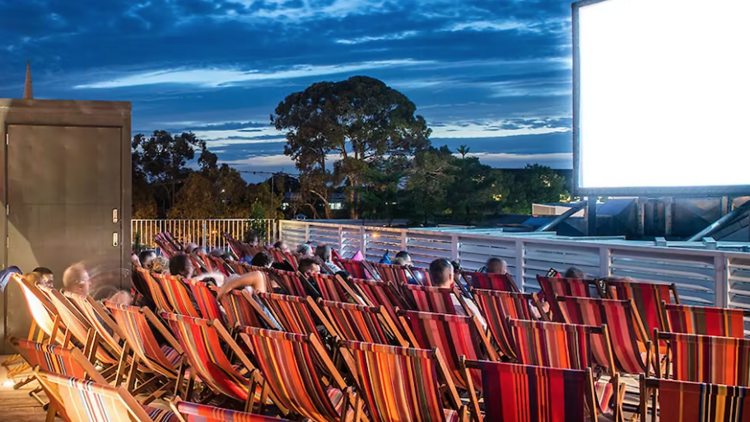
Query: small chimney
<point x="28" y="91"/>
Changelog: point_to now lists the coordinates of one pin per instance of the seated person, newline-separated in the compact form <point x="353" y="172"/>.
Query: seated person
<point x="496" y="266"/>
<point x="282" y="246"/>
<point x="442" y="275"/>
<point x="48" y="278"/>
<point x="403" y="258"/>
<point x="324" y="252"/>
<point x="575" y="273"/>
<point x="159" y="265"/>
<point x="305" y="251"/>
<point x="76" y="280"/>
<point x="145" y="257"/>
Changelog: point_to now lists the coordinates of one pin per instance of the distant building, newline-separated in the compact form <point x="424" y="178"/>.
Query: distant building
<point x="336" y="201"/>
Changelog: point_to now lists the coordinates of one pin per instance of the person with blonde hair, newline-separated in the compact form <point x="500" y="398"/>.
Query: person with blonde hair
<point x="159" y="265"/>
<point x="76" y="280"/>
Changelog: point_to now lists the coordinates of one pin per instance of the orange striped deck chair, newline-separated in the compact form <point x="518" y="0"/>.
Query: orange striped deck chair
<point x="396" y="274"/>
<point x="57" y="359"/>
<point x="630" y="343"/>
<point x="42" y="312"/>
<point x="524" y="393"/>
<point x="431" y="299"/>
<point x="567" y="346"/>
<point x="277" y="255"/>
<point x="369" y="324"/>
<point x="78" y="400"/>
<point x="454" y="336"/>
<point x="206" y="300"/>
<point x="242" y="310"/>
<point x="177" y="294"/>
<point x="569" y="287"/>
<point x="648" y="298"/>
<point x="381" y="293"/>
<point x="292" y="259"/>
<point x="155" y="291"/>
<point x="497" y="306"/>
<point x="203" y="341"/>
<point x="331" y="287"/>
<point x="290" y="364"/>
<point x="355" y="269"/>
<point x="299" y="315"/>
<point x="194" y="412"/>
<point x="502" y="282"/>
<point x="683" y="401"/>
<point x="709" y="359"/>
<point x="290" y="282"/>
<point x="163" y="360"/>
<point x="706" y="321"/>
<point x="421" y="276"/>
<point x="403" y="384"/>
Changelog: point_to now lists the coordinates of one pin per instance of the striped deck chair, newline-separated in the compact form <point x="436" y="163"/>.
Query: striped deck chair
<point x="177" y="294"/>
<point x="202" y="341"/>
<point x="682" y="401"/>
<point x="289" y="281"/>
<point x="335" y="288"/>
<point x="206" y="300"/>
<point x="523" y="393"/>
<point x="381" y="293"/>
<point x="165" y="361"/>
<point x="431" y="299"/>
<point x="709" y="359"/>
<point x="292" y="259"/>
<point x="421" y="276"/>
<point x="630" y="343"/>
<point x="706" y="321"/>
<point x="567" y="346"/>
<point x="299" y="315"/>
<point x="454" y="336"/>
<point x="242" y="310"/>
<point x="194" y="412"/>
<point x="42" y="312"/>
<point x="290" y="364"/>
<point x="276" y="254"/>
<point x="155" y="291"/>
<point x="396" y="274"/>
<point x="569" y="287"/>
<point x="502" y="282"/>
<point x="497" y="306"/>
<point x="369" y="324"/>
<point x="403" y="384"/>
<point x="78" y="400"/>
<point x="648" y="298"/>
<point x="355" y="269"/>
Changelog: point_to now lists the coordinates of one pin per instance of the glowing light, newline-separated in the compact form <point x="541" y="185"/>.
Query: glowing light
<point x="8" y="383"/>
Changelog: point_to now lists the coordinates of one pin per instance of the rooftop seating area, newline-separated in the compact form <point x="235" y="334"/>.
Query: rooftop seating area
<point x="377" y="342"/>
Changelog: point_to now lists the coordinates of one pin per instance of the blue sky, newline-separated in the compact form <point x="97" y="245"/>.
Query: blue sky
<point x="492" y="74"/>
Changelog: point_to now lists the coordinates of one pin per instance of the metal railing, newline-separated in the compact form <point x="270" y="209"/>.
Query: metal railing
<point x="208" y="233"/>
<point x="702" y="276"/>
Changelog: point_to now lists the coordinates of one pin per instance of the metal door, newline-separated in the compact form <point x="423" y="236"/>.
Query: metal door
<point x="64" y="202"/>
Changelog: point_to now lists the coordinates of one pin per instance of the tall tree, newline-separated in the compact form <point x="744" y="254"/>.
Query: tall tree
<point x="359" y="119"/>
<point x="535" y="184"/>
<point x="194" y="199"/>
<point x="475" y="191"/>
<point x="427" y="184"/>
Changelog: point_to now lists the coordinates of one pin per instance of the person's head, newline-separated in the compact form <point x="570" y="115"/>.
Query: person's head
<point x="400" y="261"/>
<point x="441" y="273"/>
<point x="199" y="250"/>
<point x="405" y="257"/>
<point x="217" y="253"/>
<point x="190" y="247"/>
<point x="76" y="280"/>
<point x="282" y="246"/>
<point x="145" y="257"/>
<point x="262" y="259"/>
<point x="308" y="266"/>
<point x="251" y="238"/>
<point x="180" y="264"/>
<point x="159" y="265"/>
<point x="305" y="250"/>
<point x="574" y="272"/>
<point x="134" y="259"/>
<point x="35" y="278"/>
<point x="46" y="274"/>
<point x="122" y="296"/>
<point x="323" y="252"/>
<point x="105" y="292"/>
<point x="496" y="266"/>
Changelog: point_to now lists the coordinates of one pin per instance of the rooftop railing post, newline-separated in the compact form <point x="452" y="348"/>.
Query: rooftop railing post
<point x="404" y="240"/>
<point x="721" y="281"/>
<point x="307" y="232"/>
<point x="605" y="259"/>
<point x="454" y="246"/>
<point x="521" y="264"/>
<point x="341" y="240"/>
<point x="205" y="245"/>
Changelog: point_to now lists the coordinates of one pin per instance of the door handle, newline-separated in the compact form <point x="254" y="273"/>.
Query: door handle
<point x="115" y="217"/>
<point x="115" y="239"/>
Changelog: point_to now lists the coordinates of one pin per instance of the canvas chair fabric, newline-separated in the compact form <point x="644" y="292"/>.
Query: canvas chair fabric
<point x="648" y="298"/>
<point x="430" y="299"/>
<point x="501" y="282"/>
<point x="194" y="412"/>
<point x="369" y="324"/>
<point x="706" y="321"/>
<point x="708" y="359"/>
<point x="682" y="401"/>
<point x="176" y="292"/>
<point x="496" y="307"/>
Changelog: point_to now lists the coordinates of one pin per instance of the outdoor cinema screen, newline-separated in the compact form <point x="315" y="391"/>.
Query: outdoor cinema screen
<point x="662" y="97"/>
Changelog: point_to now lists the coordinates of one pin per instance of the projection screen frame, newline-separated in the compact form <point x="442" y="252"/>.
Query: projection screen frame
<point x="692" y="191"/>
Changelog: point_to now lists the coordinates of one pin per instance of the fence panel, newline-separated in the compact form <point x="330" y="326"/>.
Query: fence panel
<point x="207" y="233"/>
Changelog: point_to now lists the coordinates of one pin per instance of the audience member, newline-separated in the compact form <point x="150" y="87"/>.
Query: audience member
<point x="305" y="250"/>
<point x="76" y="280"/>
<point x="496" y="266"/>
<point x="252" y="238"/>
<point x="324" y="252"/>
<point x="575" y="273"/>
<point x="282" y="246"/>
<point x="442" y="275"/>
<point x="308" y="266"/>
<point x="262" y="259"/>
<point x="180" y="265"/>
<point x="48" y="279"/>
<point x="145" y="257"/>
<point x="190" y="248"/>
<point x="403" y="257"/>
<point x="159" y="265"/>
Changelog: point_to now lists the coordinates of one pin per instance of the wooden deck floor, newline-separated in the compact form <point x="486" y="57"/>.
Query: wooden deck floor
<point x="17" y="405"/>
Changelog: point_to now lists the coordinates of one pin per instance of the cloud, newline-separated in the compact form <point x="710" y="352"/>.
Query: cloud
<point x="386" y="37"/>
<point x="496" y="129"/>
<point x="217" y="77"/>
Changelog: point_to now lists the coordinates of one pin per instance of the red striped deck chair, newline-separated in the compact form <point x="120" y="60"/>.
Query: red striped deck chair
<point x="502" y="282"/>
<point x="421" y="276"/>
<point x="706" y="321"/>
<point x="648" y="298"/>
<point x="567" y="346"/>
<point x="431" y="299"/>
<point x="497" y="306"/>
<point x="78" y="400"/>
<point x="403" y="384"/>
<point x="276" y="254"/>
<point x="202" y="341"/>
<point x="292" y="259"/>
<point x="299" y="315"/>
<point x="355" y="269"/>
<point x="290" y="282"/>
<point x="79" y="328"/>
<point x="178" y="295"/>
<point x="242" y="310"/>
<point x="396" y="274"/>
<point x="57" y="359"/>
<point x="569" y="287"/>
<point x="163" y="360"/>
<point x="237" y="248"/>
<point x="206" y="300"/>
<point x="155" y="291"/>
<point x="454" y="336"/>
<point x="42" y="312"/>
<point x="709" y="359"/>
<point x="290" y="364"/>
<point x="194" y="412"/>
<point x="335" y="288"/>
<point x="630" y="343"/>
<point x="381" y="293"/>
<point x="523" y="393"/>
<point x="682" y="401"/>
<point x="369" y="324"/>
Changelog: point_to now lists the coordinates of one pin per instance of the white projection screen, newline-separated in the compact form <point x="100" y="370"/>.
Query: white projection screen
<point x="661" y="97"/>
